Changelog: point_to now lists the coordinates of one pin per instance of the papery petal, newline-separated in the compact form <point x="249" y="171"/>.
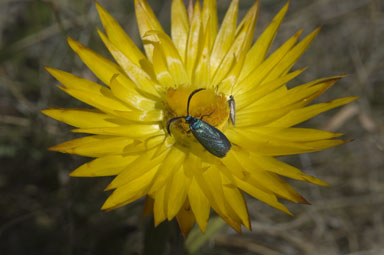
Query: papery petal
<point x="146" y="21"/>
<point x="179" y="27"/>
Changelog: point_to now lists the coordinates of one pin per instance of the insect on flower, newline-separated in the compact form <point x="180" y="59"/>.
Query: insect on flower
<point x="210" y="137"/>
<point x="206" y="66"/>
<point x="232" y="109"/>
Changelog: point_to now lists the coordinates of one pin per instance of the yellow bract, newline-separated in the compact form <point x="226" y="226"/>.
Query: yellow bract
<point x="142" y="92"/>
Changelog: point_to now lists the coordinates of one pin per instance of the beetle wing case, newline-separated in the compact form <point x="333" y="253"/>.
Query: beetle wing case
<point x="211" y="138"/>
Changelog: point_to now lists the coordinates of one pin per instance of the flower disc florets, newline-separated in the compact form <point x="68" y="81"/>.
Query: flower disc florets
<point x="206" y="105"/>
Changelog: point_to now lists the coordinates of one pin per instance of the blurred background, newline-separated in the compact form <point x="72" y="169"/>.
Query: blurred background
<point x="43" y="211"/>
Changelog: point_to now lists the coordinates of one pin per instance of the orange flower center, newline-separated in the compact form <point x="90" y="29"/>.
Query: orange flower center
<point x="206" y="105"/>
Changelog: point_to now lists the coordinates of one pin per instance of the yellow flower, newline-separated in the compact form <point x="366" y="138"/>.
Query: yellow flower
<point x="174" y="171"/>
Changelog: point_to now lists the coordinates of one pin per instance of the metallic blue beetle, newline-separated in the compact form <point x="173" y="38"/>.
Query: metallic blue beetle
<point x="210" y="137"/>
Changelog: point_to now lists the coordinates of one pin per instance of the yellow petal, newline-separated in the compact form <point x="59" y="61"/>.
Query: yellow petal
<point x="72" y="81"/>
<point x="103" y="101"/>
<point x="227" y="84"/>
<point x="266" y="145"/>
<point x="300" y="95"/>
<point x="148" y="206"/>
<point x="103" y="166"/>
<point x="118" y="37"/>
<point x="212" y="189"/>
<point x="283" y="100"/>
<point x="199" y="205"/>
<point x="209" y="20"/>
<point x="235" y="168"/>
<point x="255" y="117"/>
<point x="81" y="118"/>
<point x="291" y="134"/>
<point x="130" y="192"/>
<point x="193" y="42"/>
<point x="132" y="131"/>
<point x="142" y="164"/>
<point x="257" y="76"/>
<point x="185" y="219"/>
<point x="252" y="96"/>
<point x="302" y="114"/>
<point x="103" y="68"/>
<point x="125" y="90"/>
<point x="142" y="116"/>
<point x="290" y="59"/>
<point x="87" y="91"/>
<point x="213" y="178"/>
<point x="179" y="27"/>
<point x="146" y="21"/>
<point x="225" y="37"/>
<point x="168" y="167"/>
<point x="200" y="77"/>
<point x="176" y="192"/>
<point x="94" y="146"/>
<point x="273" y="165"/>
<point x="172" y="57"/>
<point x="281" y="188"/>
<point x="240" y="45"/>
<point x="161" y="68"/>
<point x="247" y="26"/>
<point x="268" y="181"/>
<point x="159" y="208"/>
<point x="143" y="145"/>
<point x="143" y="80"/>
<point x="266" y="197"/>
<point x="259" y="50"/>
<point x="236" y="201"/>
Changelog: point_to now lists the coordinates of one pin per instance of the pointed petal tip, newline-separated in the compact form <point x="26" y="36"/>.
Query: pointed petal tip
<point x="302" y="69"/>
<point x="248" y="225"/>
<point x="106" y="207"/>
<point x="317" y="30"/>
<point x="109" y="187"/>
<point x="344" y="75"/>
<point x="302" y="200"/>
<point x="256" y="4"/>
<point x="323" y="183"/>
<point x="289" y="213"/>
<point x="79" y="173"/>
<point x="47" y="68"/>
<point x="51" y="70"/>
<point x="56" y="148"/>
<point x="157" y="222"/>
<point x="77" y="130"/>
<point x="70" y="40"/>
<point x="99" y="32"/>
<point x="287" y="4"/>
<point x="74" y="174"/>
<point x="298" y="34"/>
<point x="45" y="111"/>
<point x="349" y="140"/>
<point x="75" y="45"/>
<point x="98" y="5"/>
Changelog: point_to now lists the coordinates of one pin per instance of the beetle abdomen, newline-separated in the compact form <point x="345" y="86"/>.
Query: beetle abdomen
<point x="211" y="138"/>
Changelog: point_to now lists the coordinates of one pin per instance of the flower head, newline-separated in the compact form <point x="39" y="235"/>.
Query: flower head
<point x="196" y="121"/>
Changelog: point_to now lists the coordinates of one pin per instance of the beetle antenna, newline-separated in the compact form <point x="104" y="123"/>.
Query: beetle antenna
<point x="190" y="96"/>
<point x="172" y="120"/>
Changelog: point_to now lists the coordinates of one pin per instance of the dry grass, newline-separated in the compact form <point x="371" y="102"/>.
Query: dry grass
<point x="46" y="212"/>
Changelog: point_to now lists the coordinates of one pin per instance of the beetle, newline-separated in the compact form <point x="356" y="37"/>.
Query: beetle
<point x="232" y="109"/>
<point x="211" y="138"/>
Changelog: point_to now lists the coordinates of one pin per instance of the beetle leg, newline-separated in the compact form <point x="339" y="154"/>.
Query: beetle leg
<point x="206" y="115"/>
<point x="172" y="120"/>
